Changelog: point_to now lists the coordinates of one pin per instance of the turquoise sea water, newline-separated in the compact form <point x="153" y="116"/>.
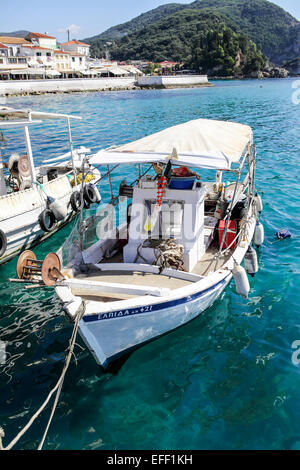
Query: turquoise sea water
<point x="225" y="380"/>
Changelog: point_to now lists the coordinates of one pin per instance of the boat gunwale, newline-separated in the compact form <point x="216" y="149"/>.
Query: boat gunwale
<point x="72" y="302"/>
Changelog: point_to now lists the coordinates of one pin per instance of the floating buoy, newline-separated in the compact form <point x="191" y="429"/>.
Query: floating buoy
<point x="259" y="234"/>
<point x="258" y="202"/>
<point x="282" y="234"/>
<point x="241" y="281"/>
<point x="250" y="261"/>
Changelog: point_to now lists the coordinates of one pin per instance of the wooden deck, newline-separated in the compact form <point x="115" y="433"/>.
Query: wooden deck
<point x="206" y="265"/>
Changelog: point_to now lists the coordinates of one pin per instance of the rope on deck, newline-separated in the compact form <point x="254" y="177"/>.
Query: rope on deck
<point x="57" y="388"/>
<point x="167" y="253"/>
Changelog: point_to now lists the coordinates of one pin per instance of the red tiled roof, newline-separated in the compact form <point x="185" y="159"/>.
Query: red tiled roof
<point x="13" y="40"/>
<point x="78" y="43"/>
<point x="57" y="51"/>
<point x="38" y="47"/>
<point x="39" y="35"/>
<point x="2" y="46"/>
<point x="167" y="62"/>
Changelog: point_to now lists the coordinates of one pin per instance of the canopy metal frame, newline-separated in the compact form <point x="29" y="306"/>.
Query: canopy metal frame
<point x="32" y="117"/>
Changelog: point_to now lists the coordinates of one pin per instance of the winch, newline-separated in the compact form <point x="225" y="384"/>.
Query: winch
<point x="46" y="271"/>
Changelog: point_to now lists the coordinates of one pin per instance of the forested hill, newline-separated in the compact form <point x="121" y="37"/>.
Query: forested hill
<point x="137" y="23"/>
<point x="271" y="28"/>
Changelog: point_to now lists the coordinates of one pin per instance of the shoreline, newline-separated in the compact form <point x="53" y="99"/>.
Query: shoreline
<point x="58" y="86"/>
<point x="112" y="89"/>
<point x="16" y="88"/>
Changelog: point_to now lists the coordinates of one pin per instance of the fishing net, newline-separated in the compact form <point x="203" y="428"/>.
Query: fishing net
<point x="90" y="230"/>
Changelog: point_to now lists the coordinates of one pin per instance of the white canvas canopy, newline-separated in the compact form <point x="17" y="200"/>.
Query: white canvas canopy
<point x="53" y="73"/>
<point x="200" y="143"/>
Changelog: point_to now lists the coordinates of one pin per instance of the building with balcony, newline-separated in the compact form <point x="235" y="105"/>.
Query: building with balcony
<point x="77" y="47"/>
<point x="38" y="56"/>
<point x="42" y="40"/>
<point x="13" y="44"/>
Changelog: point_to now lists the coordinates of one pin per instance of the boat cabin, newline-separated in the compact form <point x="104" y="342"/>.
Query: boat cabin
<point x="180" y="216"/>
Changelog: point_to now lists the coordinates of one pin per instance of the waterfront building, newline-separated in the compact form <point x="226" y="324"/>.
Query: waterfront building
<point x="42" y="40"/>
<point x="13" y="44"/>
<point x="11" y="57"/>
<point x="38" y="56"/>
<point x="70" y="64"/>
<point x="76" y="47"/>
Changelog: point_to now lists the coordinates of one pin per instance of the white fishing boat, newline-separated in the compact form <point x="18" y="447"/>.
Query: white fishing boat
<point x="178" y="248"/>
<point x="37" y="201"/>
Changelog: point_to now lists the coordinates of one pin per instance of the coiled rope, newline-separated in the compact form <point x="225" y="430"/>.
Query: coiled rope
<point x="167" y="253"/>
<point x="57" y="389"/>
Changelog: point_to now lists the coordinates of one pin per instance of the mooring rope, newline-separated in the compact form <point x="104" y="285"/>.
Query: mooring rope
<point x="57" y="389"/>
<point x="167" y="253"/>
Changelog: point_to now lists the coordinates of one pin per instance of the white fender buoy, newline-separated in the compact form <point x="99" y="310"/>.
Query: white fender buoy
<point x="59" y="210"/>
<point x="241" y="281"/>
<point x="258" y="202"/>
<point x="13" y="164"/>
<point x="250" y="261"/>
<point x="259" y="234"/>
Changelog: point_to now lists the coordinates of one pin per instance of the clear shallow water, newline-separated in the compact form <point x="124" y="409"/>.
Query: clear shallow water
<point x="224" y="381"/>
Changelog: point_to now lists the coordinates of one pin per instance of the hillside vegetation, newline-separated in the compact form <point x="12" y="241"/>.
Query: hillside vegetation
<point x="173" y="31"/>
<point x="203" y="40"/>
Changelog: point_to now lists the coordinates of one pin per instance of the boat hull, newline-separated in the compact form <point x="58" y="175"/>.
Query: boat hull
<point x="109" y="336"/>
<point x="21" y="227"/>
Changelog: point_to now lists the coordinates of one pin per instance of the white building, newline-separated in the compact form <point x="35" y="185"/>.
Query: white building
<point x="39" y="56"/>
<point x="70" y="64"/>
<point x="11" y="57"/>
<point x="61" y="60"/>
<point x="77" y="47"/>
<point x="13" y="44"/>
<point x="42" y="40"/>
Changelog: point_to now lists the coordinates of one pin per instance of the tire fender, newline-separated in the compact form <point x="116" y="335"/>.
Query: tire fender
<point x="3" y="243"/>
<point x="91" y="194"/>
<point x="75" y="201"/>
<point x="47" y="220"/>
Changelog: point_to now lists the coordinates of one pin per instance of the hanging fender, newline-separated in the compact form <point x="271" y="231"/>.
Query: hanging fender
<point x="250" y="261"/>
<point x="13" y="164"/>
<point x="241" y="281"/>
<point x="47" y="220"/>
<point x="258" y="237"/>
<point x="91" y="194"/>
<point x="258" y="203"/>
<point x="3" y="243"/>
<point x="75" y="201"/>
<point x="26" y="184"/>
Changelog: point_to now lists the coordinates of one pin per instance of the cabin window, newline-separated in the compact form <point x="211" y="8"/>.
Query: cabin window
<point x="163" y="223"/>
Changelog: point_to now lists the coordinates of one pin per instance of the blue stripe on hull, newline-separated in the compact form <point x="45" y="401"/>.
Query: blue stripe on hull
<point x="150" y="308"/>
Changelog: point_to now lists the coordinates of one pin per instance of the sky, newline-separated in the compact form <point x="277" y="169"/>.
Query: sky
<point x="85" y="18"/>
